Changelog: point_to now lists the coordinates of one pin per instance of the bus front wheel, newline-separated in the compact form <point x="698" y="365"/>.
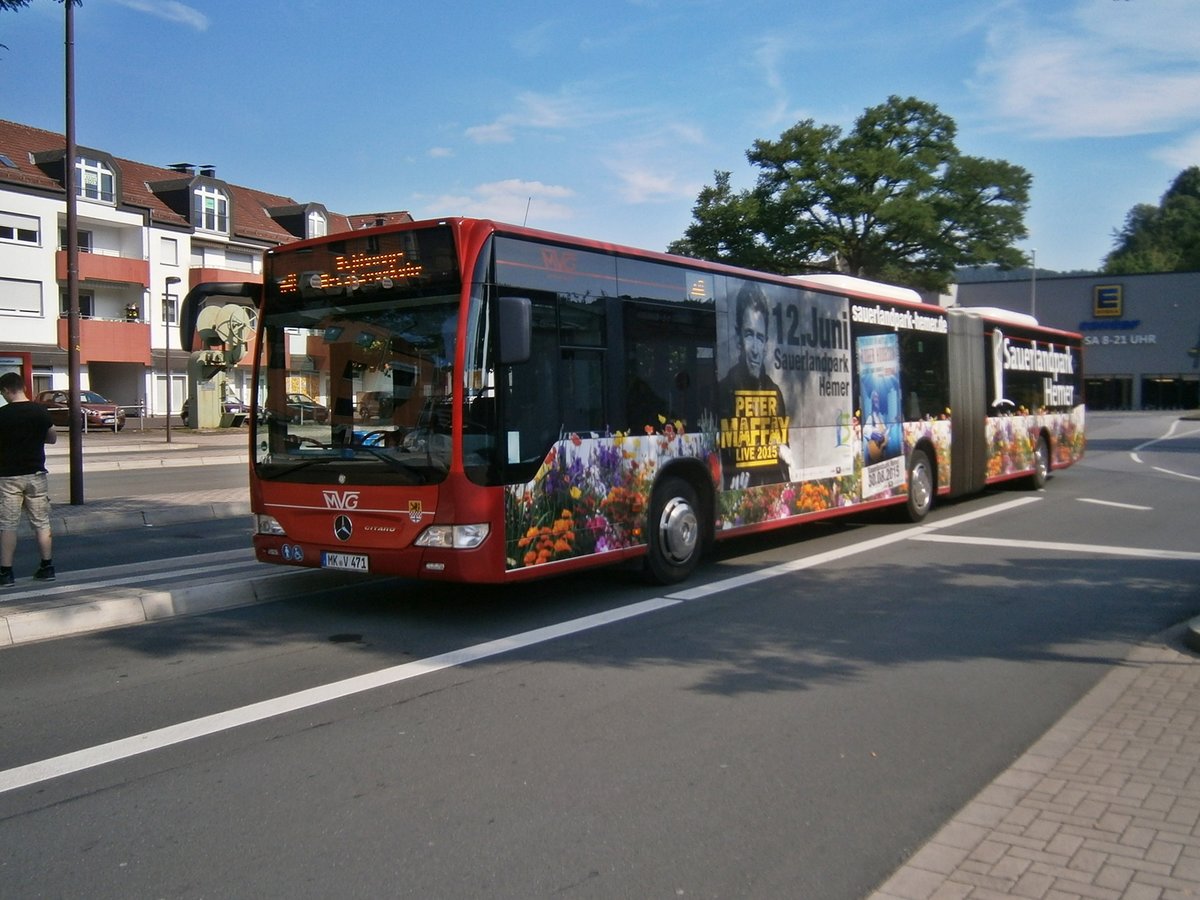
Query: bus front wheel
<point x="674" y="526"/>
<point x="920" y="485"/>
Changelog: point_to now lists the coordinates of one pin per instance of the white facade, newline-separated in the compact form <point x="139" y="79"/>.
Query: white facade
<point x="138" y="227"/>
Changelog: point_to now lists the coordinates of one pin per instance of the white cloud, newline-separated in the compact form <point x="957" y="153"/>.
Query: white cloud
<point x="1108" y="69"/>
<point x="1183" y="153"/>
<point x="440" y="152"/>
<point x="648" y="168"/>
<point x="509" y="201"/>
<point x="570" y="109"/>
<point x="171" y="10"/>
<point x="498" y="132"/>
<point x="535" y="40"/>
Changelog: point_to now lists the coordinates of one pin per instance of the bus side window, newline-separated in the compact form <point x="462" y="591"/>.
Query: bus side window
<point x="670" y="369"/>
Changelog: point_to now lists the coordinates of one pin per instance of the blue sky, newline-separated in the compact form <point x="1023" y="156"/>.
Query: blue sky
<point x="606" y="119"/>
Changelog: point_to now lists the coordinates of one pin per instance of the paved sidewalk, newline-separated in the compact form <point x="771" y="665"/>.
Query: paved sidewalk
<point x="1105" y="805"/>
<point x="137" y="447"/>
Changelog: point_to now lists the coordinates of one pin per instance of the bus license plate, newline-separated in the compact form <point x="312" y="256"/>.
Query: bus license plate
<point x="355" y="562"/>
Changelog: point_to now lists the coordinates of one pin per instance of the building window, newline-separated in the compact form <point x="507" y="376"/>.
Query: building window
<point x="95" y="180"/>
<point x="87" y="305"/>
<point x="239" y="262"/>
<point x="82" y="238"/>
<point x="169" y="309"/>
<point x="169" y="251"/>
<point x="317" y="224"/>
<point x="20" y="298"/>
<point x="20" y="229"/>
<point x="210" y="210"/>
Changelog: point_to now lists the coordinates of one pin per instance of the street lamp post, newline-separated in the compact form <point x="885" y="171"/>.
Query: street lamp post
<point x="1033" y="283"/>
<point x="168" y="308"/>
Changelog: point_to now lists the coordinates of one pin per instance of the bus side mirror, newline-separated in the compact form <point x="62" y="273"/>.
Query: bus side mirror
<point x="515" y="315"/>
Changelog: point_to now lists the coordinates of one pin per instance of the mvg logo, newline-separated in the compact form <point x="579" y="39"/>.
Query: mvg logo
<point x="341" y="499"/>
<point x="559" y="260"/>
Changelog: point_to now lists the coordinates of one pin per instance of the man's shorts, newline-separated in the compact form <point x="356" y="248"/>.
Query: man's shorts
<point x="31" y="492"/>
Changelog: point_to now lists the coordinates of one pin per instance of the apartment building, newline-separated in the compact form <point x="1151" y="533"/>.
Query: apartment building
<point x="139" y="227"/>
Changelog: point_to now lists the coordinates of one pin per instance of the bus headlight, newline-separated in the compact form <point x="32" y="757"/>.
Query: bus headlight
<point x="268" y="525"/>
<point x="456" y="537"/>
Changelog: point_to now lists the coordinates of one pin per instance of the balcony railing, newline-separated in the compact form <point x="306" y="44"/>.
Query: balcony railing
<point x="102" y="266"/>
<point x="109" y="340"/>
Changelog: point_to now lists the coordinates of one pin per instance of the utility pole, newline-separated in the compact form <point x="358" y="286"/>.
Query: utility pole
<point x="69" y="182"/>
<point x="169" y="315"/>
<point x="1033" y="284"/>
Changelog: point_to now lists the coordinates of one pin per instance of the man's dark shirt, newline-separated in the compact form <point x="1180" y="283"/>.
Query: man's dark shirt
<point x="23" y="427"/>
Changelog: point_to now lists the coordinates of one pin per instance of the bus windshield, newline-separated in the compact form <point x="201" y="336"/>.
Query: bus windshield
<point x="357" y="345"/>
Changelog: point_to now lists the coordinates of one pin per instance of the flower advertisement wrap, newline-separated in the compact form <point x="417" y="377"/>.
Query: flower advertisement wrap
<point x="1034" y="387"/>
<point x="810" y="393"/>
<point x="590" y="495"/>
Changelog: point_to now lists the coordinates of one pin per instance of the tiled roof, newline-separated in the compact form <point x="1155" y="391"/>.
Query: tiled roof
<point x="250" y="218"/>
<point x="370" y="220"/>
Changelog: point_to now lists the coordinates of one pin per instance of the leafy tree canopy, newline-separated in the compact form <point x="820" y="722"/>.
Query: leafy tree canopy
<point x="1163" y="238"/>
<point x="17" y="4"/>
<point x="893" y="199"/>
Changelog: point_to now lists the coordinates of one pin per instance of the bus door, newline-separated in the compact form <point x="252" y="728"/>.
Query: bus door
<point x="968" y="403"/>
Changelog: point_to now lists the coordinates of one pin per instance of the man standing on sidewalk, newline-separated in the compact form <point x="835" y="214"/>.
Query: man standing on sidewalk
<point x="25" y="429"/>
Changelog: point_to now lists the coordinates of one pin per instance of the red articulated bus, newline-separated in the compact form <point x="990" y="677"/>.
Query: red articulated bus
<point x="504" y="403"/>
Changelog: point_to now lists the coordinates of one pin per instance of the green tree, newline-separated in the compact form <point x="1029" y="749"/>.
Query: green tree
<point x="1163" y="238"/>
<point x="17" y="4"/>
<point x="893" y="199"/>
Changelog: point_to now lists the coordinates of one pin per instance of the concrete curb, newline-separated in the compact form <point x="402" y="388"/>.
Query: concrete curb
<point x="1191" y="635"/>
<point x="144" y="606"/>
<point x="89" y="521"/>
<point x="59" y="466"/>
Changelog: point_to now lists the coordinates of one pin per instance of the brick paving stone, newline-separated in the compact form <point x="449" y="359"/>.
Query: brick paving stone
<point x="1114" y="877"/>
<point x="1104" y="806"/>
<point x="1142" y="892"/>
<point x="1165" y="852"/>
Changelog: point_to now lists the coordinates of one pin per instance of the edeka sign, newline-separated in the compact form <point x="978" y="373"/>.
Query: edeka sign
<point x="1045" y="359"/>
<point x="1108" y="309"/>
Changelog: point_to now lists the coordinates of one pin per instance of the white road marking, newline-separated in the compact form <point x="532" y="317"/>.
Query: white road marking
<point x="1176" y="474"/>
<point x="69" y="763"/>
<point x="1102" y="549"/>
<point x="124" y="748"/>
<point x="1168" y="435"/>
<point x="1114" y="503"/>
<point x="143" y="578"/>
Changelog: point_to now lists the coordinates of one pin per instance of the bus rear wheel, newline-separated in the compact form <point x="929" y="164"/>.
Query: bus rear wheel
<point x="674" y="536"/>
<point x="920" y="485"/>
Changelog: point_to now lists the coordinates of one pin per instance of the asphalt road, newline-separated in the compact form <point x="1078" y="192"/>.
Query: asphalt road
<point x="793" y="724"/>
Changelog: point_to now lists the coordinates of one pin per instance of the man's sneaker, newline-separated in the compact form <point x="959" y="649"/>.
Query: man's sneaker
<point x="44" y="573"/>
<point x="7" y="578"/>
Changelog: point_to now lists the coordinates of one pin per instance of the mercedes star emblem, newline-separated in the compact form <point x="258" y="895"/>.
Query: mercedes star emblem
<point x="343" y="528"/>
